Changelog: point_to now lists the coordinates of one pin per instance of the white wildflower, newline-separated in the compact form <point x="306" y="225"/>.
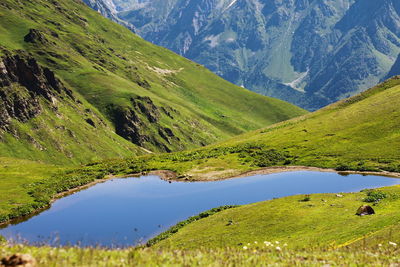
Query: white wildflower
<point x="245" y="247"/>
<point x="278" y="248"/>
<point x="276" y="242"/>
<point x="392" y="244"/>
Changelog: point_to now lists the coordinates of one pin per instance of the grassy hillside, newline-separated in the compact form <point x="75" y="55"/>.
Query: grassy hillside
<point x="359" y="133"/>
<point x="123" y="84"/>
<point x="324" y="221"/>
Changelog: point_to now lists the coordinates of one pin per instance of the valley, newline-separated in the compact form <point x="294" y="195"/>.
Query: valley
<point x="310" y="53"/>
<point x="156" y="160"/>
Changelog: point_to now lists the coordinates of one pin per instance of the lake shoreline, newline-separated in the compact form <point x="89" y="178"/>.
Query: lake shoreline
<point x="171" y="176"/>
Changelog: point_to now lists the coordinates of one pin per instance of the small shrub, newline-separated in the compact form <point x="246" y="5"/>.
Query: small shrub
<point x="306" y="198"/>
<point x="342" y="167"/>
<point x="374" y="196"/>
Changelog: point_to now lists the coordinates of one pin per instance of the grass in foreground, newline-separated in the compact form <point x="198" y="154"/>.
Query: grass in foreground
<point x="387" y="255"/>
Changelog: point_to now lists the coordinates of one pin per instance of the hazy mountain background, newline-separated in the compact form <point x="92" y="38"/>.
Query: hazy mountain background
<point x="308" y="52"/>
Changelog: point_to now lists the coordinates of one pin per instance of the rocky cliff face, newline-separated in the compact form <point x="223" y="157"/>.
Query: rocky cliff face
<point x="132" y="123"/>
<point x="308" y="52"/>
<point x="22" y="85"/>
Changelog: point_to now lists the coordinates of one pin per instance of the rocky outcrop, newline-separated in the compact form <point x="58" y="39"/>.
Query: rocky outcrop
<point x="139" y="122"/>
<point x="35" y="36"/>
<point x="146" y="106"/>
<point x="365" y="210"/>
<point x="18" y="259"/>
<point x="23" y="82"/>
<point x="129" y="125"/>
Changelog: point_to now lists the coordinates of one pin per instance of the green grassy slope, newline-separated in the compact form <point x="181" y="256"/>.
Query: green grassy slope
<point x="17" y="177"/>
<point x="324" y="221"/>
<point x="360" y="133"/>
<point x="60" y="135"/>
<point x="151" y="96"/>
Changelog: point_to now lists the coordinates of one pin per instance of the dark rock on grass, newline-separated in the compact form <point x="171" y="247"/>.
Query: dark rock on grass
<point x="35" y="36"/>
<point x="22" y="82"/>
<point x="23" y="260"/>
<point x="91" y="122"/>
<point x="129" y="125"/>
<point x="365" y="210"/>
<point x="28" y="73"/>
<point x="146" y="106"/>
<point x="134" y="123"/>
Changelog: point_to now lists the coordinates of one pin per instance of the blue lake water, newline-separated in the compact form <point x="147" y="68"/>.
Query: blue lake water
<point x="127" y="211"/>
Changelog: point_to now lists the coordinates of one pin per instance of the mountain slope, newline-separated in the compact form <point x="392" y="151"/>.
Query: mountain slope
<point x="361" y="133"/>
<point x="42" y="119"/>
<point x="311" y="53"/>
<point x="395" y="70"/>
<point x="110" y="88"/>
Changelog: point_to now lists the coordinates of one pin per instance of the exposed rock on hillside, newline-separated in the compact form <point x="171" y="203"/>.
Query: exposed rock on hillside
<point x="22" y="82"/>
<point x="35" y="36"/>
<point x="133" y="123"/>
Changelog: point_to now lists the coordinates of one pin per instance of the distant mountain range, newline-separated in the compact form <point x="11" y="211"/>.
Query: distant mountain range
<point x="308" y="52"/>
